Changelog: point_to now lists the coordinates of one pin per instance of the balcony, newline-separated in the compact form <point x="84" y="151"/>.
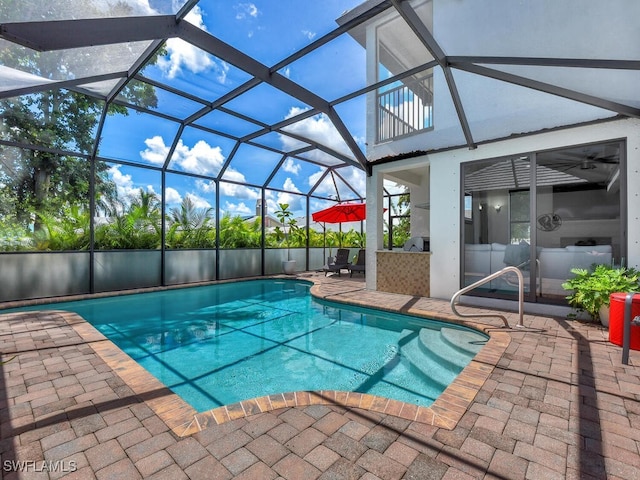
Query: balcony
<point x="405" y="108"/>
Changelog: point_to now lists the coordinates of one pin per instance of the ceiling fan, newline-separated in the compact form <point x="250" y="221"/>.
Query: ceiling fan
<point x="580" y="163"/>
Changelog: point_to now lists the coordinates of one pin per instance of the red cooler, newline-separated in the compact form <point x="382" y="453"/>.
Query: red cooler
<point x="616" y="319"/>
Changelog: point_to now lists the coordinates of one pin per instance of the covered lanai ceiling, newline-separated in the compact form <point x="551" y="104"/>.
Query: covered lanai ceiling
<point x="273" y="94"/>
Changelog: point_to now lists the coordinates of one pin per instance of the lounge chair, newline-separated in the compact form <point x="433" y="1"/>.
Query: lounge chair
<point x="359" y="265"/>
<point x="341" y="261"/>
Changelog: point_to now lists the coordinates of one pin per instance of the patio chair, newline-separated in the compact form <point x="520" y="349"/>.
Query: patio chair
<point x="359" y="265"/>
<point x="341" y="261"/>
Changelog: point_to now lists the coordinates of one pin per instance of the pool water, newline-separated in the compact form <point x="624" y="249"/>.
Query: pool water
<point x="220" y="344"/>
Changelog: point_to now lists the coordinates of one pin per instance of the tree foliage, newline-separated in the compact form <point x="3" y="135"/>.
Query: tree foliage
<point x="236" y="233"/>
<point x="133" y="226"/>
<point x="190" y="227"/>
<point x="47" y="181"/>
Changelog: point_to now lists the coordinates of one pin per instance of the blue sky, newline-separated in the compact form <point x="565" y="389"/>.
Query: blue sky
<point x="269" y="31"/>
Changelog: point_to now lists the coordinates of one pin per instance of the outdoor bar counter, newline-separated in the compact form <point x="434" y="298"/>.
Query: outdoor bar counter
<point x="403" y="272"/>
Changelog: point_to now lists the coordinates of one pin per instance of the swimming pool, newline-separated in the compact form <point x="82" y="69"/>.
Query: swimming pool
<point x="220" y="344"/>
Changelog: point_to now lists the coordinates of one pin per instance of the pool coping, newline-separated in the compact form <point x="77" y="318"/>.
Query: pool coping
<point x="445" y="412"/>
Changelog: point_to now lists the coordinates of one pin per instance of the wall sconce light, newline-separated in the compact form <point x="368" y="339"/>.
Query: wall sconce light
<point x="498" y="207"/>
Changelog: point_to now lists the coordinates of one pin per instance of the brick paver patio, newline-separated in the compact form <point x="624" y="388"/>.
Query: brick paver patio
<point x="557" y="403"/>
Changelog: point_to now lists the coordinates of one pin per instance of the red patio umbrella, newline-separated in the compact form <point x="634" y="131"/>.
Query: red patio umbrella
<point x="341" y="212"/>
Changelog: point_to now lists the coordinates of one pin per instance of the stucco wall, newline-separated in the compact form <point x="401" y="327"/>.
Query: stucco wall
<point x="504" y="28"/>
<point x="445" y="191"/>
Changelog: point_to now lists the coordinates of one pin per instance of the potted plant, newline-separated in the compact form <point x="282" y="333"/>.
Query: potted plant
<point x="592" y="288"/>
<point x="285" y="216"/>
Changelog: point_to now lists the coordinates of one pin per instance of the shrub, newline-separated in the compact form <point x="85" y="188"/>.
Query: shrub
<point x="592" y="288"/>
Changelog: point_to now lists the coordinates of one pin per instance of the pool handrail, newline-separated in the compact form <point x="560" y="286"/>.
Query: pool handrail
<point x="487" y="279"/>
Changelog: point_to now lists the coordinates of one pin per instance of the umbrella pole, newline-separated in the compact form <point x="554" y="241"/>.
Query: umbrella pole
<point x="324" y="240"/>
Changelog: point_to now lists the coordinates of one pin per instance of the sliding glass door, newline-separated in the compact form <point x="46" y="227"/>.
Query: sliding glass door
<point x="578" y="221"/>
<point x="544" y="213"/>
<point x="497" y="227"/>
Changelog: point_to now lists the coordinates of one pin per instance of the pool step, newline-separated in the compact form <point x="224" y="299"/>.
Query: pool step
<point x="412" y="351"/>
<point x="441" y="356"/>
<point x="464" y="341"/>
<point x="441" y="352"/>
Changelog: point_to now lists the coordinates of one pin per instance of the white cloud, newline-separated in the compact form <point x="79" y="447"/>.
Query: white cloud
<point x="291" y="166"/>
<point x="356" y="178"/>
<point x="182" y="55"/>
<point x="318" y="128"/>
<point x="238" y="191"/>
<point x="206" y="186"/>
<point x="244" y="10"/>
<point x="393" y="187"/>
<point x="125" y="188"/>
<point x="202" y="159"/>
<point x="198" y="201"/>
<point x="235" y="190"/>
<point x="272" y="204"/>
<point x="172" y="196"/>
<point x="222" y="71"/>
<point x="326" y="188"/>
<point x="314" y="177"/>
<point x="195" y="17"/>
<point x="310" y="35"/>
<point x="156" y="151"/>
<point x="233" y="175"/>
<point x="237" y="209"/>
<point x="295" y="202"/>
<point x="290" y="186"/>
<point x="123" y="182"/>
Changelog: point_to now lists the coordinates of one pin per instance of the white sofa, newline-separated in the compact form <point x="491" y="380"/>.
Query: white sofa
<point x="486" y="258"/>
<point x="554" y="264"/>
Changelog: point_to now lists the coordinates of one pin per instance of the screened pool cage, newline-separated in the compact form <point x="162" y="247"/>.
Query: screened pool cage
<point x="142" y="145"/>
<point x="149" y="142"/>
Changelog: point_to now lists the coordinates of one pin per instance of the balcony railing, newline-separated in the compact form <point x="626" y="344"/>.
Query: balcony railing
<point x="406" y="108"/>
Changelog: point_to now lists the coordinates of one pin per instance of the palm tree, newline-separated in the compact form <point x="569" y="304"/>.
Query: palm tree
<point x="71" y="232"/>
<point x="189" y="226"/>
<point x="135" y="226"/>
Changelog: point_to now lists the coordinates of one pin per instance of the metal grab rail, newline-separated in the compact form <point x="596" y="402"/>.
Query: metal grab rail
<point x="487" y="279"/>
